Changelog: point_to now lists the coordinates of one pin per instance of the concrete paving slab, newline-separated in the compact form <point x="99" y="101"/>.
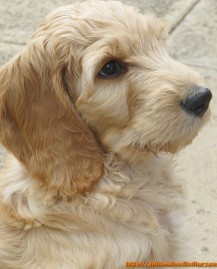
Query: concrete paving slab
<point x="20" y="18"/>
<point x="194" y="42"/>
<point x="196" y="38"/>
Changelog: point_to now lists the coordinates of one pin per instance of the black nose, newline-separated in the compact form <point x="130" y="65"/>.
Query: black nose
<point x="197" y="101"/>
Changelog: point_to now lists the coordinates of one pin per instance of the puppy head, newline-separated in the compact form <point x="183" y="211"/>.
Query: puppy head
<point x="93" y="72"/>
<point x="129" y="89"/>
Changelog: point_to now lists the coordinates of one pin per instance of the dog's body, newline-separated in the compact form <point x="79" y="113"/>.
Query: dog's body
<point x="132" y="215"/>
<point x="87" y="111"/>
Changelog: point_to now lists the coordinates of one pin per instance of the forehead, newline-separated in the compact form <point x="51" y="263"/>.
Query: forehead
<point x="100" y="18"/>
<point x="118" y="28"/>
<point x="113" y="12"/>
<point x="95" y="19"/>
<point x="88" y="22"/>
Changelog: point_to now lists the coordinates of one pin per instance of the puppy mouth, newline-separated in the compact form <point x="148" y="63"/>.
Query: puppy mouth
<point x="142" y="148"/>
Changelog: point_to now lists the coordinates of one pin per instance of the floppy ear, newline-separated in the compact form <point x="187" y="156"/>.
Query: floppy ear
<point x="39" y="123"/>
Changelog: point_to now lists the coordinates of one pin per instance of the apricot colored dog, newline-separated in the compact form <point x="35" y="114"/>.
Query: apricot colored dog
<point x="91" y="111"/>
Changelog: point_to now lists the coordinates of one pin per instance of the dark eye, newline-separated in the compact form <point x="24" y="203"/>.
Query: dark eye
<point x="110" y="69"/>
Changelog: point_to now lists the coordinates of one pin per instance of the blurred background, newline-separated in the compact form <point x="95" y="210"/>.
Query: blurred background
<point x="193" y="41"/>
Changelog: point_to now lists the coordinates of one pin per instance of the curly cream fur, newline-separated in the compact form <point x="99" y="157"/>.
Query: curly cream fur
<point x="89" y="183"/>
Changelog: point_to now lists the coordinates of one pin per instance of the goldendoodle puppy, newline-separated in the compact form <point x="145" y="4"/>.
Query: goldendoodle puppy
<point x="91" y="111"/>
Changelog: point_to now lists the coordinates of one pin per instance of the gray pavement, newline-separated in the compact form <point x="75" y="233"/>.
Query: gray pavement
<point x="193" y="40"/>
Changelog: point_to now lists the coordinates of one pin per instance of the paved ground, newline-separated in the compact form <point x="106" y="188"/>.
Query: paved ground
<point x="193" y="40"/>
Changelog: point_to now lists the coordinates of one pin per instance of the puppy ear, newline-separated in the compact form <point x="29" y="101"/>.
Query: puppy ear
<point x="40" y="125"/>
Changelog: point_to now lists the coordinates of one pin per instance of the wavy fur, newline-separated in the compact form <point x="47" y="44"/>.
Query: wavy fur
<point x="89" y="181"/>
